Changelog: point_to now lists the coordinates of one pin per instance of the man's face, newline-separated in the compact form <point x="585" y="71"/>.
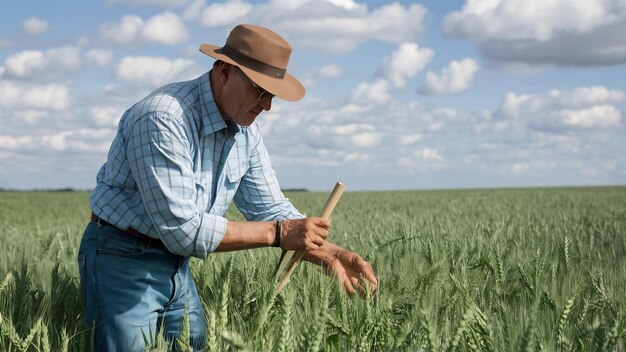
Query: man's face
<point x="240" y="98"/>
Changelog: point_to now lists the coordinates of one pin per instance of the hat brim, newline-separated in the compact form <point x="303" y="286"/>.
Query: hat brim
<point x="287" y="88"/>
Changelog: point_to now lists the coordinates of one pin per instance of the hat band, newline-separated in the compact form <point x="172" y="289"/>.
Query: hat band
<point x="253" y="64"/>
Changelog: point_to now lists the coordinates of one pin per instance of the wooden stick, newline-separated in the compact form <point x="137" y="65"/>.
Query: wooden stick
<point x="290" y="259"/>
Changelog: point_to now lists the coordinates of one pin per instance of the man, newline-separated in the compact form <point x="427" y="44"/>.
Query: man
<point x="180" y="157"/>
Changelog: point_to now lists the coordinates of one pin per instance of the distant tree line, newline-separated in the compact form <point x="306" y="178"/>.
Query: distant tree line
<point x="68" y="189"/>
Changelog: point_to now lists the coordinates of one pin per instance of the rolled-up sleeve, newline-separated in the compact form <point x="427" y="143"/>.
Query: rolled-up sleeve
<point x="259" y="197"/>
<point x="160" y="160"/>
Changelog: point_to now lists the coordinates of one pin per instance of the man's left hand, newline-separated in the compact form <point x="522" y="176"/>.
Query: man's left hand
<point x="348" y="267"/>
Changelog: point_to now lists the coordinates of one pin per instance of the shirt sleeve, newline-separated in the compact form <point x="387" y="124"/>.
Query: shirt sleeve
<point x="160" y="160"/>
<point x="259" y="197"/>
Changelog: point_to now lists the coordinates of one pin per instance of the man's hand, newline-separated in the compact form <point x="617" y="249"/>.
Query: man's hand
<point x="348" y="267"/>
<point x="303" y="234"/>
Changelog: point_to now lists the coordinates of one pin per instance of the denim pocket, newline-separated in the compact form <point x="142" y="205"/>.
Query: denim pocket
<point x="81" y="274"/>
<point x="120" y="247"/>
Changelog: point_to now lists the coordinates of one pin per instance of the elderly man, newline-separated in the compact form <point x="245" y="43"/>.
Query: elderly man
<point x="180" y="157"/>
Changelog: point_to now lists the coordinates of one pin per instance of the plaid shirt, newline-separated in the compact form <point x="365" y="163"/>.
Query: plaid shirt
<point x="175" y="166"/>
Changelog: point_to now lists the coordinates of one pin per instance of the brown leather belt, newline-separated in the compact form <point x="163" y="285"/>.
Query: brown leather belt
<point x="149" y="241"/>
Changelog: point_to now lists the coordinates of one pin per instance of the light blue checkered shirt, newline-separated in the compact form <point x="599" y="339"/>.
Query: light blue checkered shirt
<point x="175" y="166"/>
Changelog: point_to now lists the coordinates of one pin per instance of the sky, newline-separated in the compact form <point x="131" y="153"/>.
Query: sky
<point x="399" y="95"/>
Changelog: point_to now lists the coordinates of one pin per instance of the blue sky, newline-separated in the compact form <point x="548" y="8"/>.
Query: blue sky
<point x="400" y="95"/>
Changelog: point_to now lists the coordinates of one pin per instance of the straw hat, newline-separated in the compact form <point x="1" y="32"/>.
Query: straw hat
<point x="263" y="56"/>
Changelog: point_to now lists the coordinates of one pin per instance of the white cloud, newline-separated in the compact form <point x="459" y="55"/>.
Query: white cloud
<point x="347" y="4"/>
<point x="298" y="4"/>
<point x="350" y="133"/>
<point x="339" y="33"/>
<point x="47" y="96"/>
<point x="368" y="93"/>
<point x="156" y="70"/>
<point x="330" y="71"/>
<point x="336" y="26"/>
<point x="584" y="107"/>
<point x="421" y="160"/>
<point x="520" y="168"/>
<point x="513" y="103"/>
<point x="367" y="139"/>
<point x="540" y="32"/>
<point x="14" y="143"/>
<point x="66" y="58"/>
<point x="31" y="116"/>
<point x="350" y="129"/>
<point x="428" y="154"/>
<point x="53" y="63"/>
<point x="456" y="77"/>
<point x="81" y="140"/>
<point x="595" y="116"/>
<point x="410" y="138"/>
<point x="356" y="156"/>
<point x="124" y="32"/>
<point x="520" y="105"/>
<point x="193" y="11"/>
<point x="327" y="71"/>
<point x="164" y="3"/>
<point x="25" y="63"/>
<point x="225" y="14"/>
<point x="166" y="28"/>
<point x="99" y="57"/>
<point x="405" y="163"/>
<point x="35" y="26"/>
<point x="34" y="63"/>
<point x="352" y="109"/>
<point x="585" y="96"/>
<point x="105" y="116"/>
<point x="405" y="62"/>
<point x="528" y="20"/>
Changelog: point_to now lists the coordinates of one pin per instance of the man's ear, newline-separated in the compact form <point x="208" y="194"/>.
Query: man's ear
<point x="225" y="71"/>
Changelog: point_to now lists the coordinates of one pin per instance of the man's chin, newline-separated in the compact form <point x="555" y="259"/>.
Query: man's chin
<point x="247" y="119"/>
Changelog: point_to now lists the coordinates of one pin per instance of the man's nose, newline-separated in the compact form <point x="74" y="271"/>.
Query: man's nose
<point x="266" y="104"/>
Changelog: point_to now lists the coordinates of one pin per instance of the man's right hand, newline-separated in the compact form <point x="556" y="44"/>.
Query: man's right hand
<point x="303" y="234"/>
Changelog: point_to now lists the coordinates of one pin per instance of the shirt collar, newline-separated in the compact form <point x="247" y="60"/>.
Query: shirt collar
<point x="212" y="119"/>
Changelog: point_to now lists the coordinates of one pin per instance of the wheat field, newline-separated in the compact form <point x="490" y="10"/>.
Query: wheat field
<point x="459" y="270"/>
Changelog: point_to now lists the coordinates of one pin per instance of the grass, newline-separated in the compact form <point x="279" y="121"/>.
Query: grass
<point x="462" y="270"/>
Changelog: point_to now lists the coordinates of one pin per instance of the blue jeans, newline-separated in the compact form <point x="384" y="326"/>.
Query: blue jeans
<point x="131" y="290"/>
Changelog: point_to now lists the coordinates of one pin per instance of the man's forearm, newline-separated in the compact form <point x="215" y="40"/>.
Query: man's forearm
<point x="247" y="235"/>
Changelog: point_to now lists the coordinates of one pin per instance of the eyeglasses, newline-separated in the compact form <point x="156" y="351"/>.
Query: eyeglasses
<point x="263" y="94"/>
